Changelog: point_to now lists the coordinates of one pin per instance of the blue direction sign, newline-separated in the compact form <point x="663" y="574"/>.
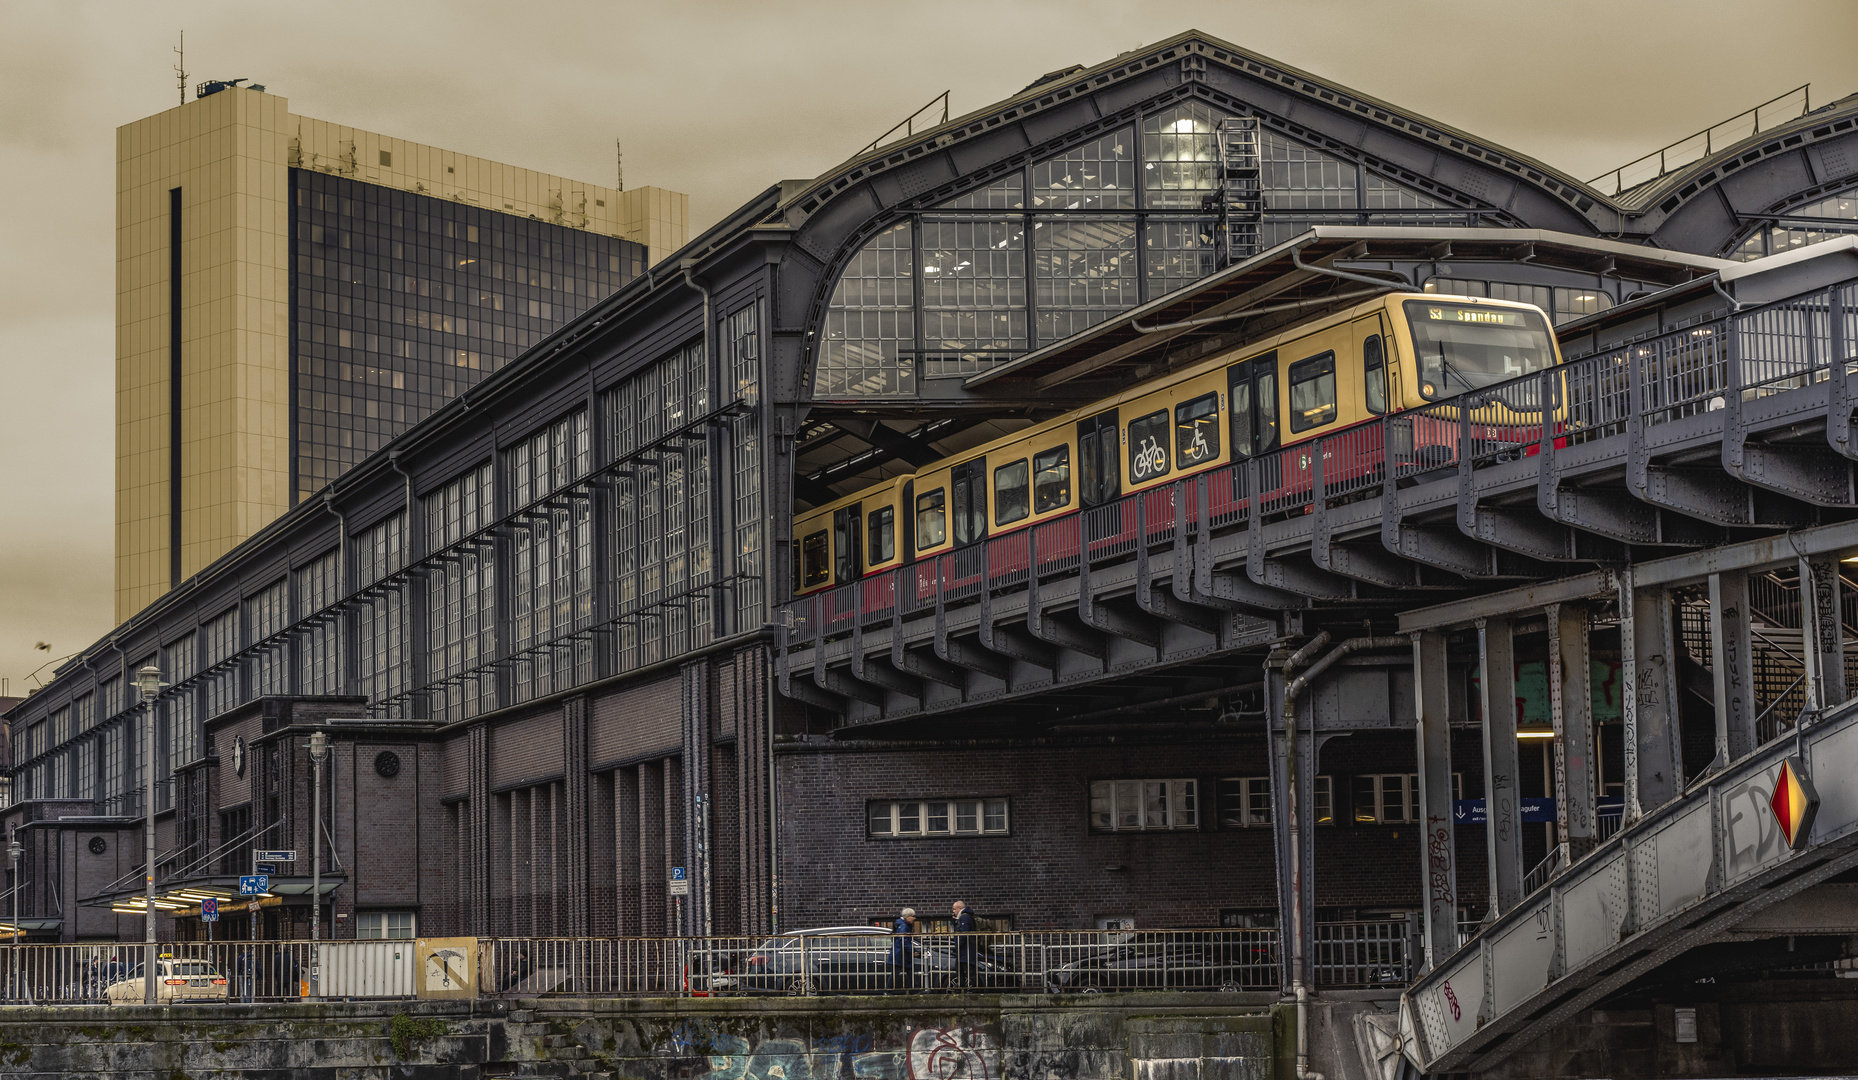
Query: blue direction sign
<point x="253" y="884"/>
<point x="1535" y="811"/>
<point x="209" y="910"/>
<point x="267" y="868"/>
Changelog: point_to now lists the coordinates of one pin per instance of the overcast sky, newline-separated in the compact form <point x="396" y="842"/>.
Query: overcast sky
<point x="719" y="100"/>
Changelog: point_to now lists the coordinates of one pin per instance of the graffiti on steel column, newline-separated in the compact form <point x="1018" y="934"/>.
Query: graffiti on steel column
<point x="929" y="1053"/>
<point x="1439" y="861"/>
<point x="1505" y="813"/>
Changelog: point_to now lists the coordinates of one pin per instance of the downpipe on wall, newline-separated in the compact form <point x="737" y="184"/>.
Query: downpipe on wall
<point x="1292" y="689"/>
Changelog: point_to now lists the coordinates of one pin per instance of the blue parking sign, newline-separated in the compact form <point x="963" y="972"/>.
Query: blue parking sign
<point x="209" y="909"/>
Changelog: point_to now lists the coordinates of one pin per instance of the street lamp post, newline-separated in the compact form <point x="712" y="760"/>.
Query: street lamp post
<point x="15" y="850"/>
<point x="148" y="682"/>
<point x="319" y="750"/>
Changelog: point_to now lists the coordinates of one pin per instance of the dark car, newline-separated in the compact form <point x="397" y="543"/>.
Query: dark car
<point x="843" y="959"/>
<point x="1139" y="965"/>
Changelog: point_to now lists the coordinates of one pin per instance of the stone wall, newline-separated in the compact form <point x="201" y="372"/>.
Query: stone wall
<point x="1134" y="1036"/>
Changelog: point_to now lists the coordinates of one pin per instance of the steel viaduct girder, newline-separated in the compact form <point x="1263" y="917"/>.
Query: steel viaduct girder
<point x="1339" y="528"/>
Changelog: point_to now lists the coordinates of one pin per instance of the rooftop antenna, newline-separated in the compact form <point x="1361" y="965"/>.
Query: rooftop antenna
<point x="619" y="166"/>
<point x="180" y="66"/>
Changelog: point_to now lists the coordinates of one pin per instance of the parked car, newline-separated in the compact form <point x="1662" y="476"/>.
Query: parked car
<point x="1213" y="965"/>
<point x="176" y="980"/>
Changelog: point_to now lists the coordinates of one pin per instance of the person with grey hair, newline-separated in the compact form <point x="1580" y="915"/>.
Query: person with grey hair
<point x="903" y="951"/>
<point x="967" y="950"/>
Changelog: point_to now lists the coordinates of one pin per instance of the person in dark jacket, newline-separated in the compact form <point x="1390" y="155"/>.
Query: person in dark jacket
<point x="521" y="967"/>
<point x="967" y="949"/>
<point x="903" y="951"/>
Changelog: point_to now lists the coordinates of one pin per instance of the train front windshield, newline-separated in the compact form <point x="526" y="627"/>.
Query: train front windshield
<point x="1467" y="347"/>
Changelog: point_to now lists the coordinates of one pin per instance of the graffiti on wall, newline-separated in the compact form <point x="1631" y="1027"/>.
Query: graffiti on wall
<point x="927" y="1053"/>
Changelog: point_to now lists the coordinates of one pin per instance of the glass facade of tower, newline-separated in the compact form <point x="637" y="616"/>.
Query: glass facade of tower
<point x="402" y="301"/>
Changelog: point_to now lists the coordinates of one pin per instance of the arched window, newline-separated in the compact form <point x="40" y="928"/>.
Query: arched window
<point x="1803" y="225"/>
<point x="1057" y="245"/>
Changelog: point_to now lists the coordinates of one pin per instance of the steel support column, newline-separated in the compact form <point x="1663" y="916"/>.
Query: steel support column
<point x="1301" y="891"/>
<point x="1648" y="698"/>
<point x="1440" y="874"/>
<point x="1822" y="633"/>
<point x="1732" y="662"/>
<point x="1502" y="791"/>
<point x="1570" y="703"/>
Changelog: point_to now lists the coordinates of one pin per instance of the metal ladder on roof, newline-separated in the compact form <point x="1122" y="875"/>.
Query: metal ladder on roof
<point x="1240" y="197"/>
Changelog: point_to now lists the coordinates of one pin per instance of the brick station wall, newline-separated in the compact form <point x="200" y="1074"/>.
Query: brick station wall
<point x="1051" y="871"/>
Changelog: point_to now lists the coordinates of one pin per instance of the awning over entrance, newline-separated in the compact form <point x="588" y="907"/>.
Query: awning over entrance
<point x="182" y="899"/>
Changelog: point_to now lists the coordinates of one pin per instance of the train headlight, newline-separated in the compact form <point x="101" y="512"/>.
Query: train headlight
<point x="1428" y="389"/>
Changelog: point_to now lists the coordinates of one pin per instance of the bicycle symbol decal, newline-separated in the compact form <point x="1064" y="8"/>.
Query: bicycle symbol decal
<point x="1150" y="459"/>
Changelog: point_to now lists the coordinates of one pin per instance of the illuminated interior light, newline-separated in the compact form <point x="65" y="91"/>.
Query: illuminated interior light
<point x="1535" y="733"/>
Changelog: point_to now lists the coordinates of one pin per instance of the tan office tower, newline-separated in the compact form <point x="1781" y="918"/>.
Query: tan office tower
<point x="333" y="286"/>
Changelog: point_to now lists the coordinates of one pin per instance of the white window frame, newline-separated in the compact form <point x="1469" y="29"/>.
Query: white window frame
<point x="379" y="925"/>
<point x="1168" y="804"/>
<point x="1255" y="788"/>
<point x="928" y="819"/>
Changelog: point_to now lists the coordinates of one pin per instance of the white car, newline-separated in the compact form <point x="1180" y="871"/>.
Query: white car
<point x="178" y="980"/>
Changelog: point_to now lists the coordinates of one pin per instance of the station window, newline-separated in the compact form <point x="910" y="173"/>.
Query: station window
<point x="1245" y="801"/>
<point x="379" y="925"/>
<point x="883" y="531"/>
<point x="1196" y="431"/>
<point x="1051" y="479"/>
<point x="815" y="566"/>
<point x="1144" y="805"/>
<point x="906" y="818"/>
<point x="931" y="519"/>
<point x="1312" y="392"/>
<point x="1393" y="798"/>
<point x="1010" y="495"/>
<point x="1148" y="447"/>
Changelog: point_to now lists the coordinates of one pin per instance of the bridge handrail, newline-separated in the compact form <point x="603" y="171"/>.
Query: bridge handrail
<point x="1781" y="345"/>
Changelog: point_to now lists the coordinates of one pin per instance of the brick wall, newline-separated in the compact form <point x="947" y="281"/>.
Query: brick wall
<point x="1052" y="871"/>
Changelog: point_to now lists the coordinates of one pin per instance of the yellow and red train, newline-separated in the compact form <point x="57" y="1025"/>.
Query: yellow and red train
<point x="1395" y="352"/>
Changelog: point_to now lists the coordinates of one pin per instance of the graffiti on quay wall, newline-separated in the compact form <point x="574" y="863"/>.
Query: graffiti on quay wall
<point x="929" y="1053"/>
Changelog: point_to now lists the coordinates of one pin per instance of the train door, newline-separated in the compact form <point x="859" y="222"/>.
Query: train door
<point x="1252" y="396"/>
<point x="1099" y="469"/>
<point x="1377" y="383"/>
<point x="847" y="554"/>
<point x="1379" y="394"/>
<point x="968" y="502"/>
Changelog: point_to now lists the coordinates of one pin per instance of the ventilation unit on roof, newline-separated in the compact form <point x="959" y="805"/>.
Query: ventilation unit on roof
<point x="214" y="86"/>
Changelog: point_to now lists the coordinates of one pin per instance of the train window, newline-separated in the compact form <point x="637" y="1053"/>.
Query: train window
<point x="1196" y="431"/>
<point x="815" y="564"/>
<point x="1264" y="402"/>
<point x="1148" y="447"/>
<point x="931" y="519"/>
<point x="883" y="544"/>
<point x="1010" y="496"/>
<point x="1051" y="479"/>
<point x="1374" y="374"/>
<point x="1312" y="392"/>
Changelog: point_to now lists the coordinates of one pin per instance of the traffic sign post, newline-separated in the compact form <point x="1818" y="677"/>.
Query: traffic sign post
<point x="209" y="914"/>
<point x="680" y="885"/>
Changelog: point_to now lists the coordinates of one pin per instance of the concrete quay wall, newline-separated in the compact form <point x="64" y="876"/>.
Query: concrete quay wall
<point x="1135" y="1036"/>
